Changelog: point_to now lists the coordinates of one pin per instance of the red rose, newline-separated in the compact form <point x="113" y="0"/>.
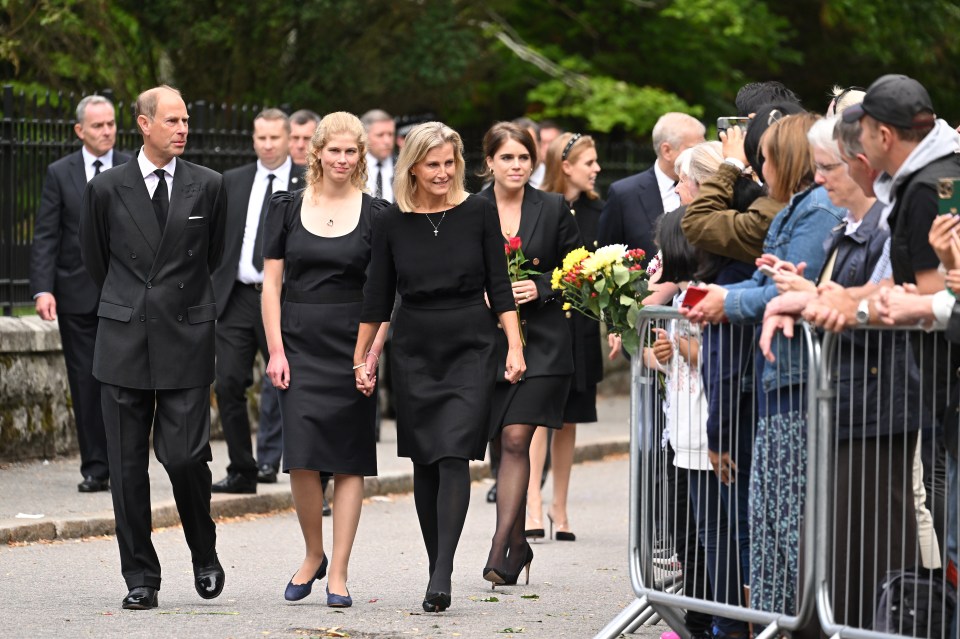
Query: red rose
<point x="506" y="248"/>
<point x="514" y="243"/>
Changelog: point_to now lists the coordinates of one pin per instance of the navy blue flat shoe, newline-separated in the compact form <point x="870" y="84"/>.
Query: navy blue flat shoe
<point x="338" y="601"/>
<point x="296" y="592"/>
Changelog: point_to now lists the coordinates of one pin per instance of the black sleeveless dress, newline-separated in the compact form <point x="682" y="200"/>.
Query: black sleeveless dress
<point x="328" y="425"/>
<point x="444" y="337"/>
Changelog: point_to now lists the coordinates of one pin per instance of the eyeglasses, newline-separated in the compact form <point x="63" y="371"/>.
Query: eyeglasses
<point x="827" y="168"/>
<point x="570" y="143"/>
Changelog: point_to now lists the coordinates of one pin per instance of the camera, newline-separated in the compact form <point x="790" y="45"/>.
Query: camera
<point x="725" y="122"/>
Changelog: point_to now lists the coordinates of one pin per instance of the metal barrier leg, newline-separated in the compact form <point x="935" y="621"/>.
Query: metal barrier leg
<point x="619" y="624"/>
<point x="769" y="631"/>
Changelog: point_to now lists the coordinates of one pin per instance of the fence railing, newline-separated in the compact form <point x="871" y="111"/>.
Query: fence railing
<point x="37" y="130"/>
<point x="858" y="551"/>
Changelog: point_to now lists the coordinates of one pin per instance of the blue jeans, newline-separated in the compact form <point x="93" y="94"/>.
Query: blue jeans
<point x="714" y="526"/>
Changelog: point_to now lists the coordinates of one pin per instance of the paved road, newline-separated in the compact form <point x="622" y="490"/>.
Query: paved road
<point x="73" y="588"/>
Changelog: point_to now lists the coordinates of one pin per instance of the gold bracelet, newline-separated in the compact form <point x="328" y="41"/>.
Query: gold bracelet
<point x="359" y="365"/>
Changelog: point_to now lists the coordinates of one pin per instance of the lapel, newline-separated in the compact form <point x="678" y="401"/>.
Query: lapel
<point x="238" y="200"/>
<point x="78" y="174"/>
<point x="133" y="193"/>
<point x="529" y="213"/>
<point x="182" y="200"/>
<point x="298" y="180"/>
<point x="650" y="201"/>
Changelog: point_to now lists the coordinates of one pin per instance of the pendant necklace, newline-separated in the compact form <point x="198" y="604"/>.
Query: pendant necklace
<point x="436" y="227"/>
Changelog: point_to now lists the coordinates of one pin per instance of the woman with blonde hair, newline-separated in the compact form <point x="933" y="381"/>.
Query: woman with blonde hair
<point x="317" y="245"/>
<point x="572" y="170"/>
<point x="442" y="251"/>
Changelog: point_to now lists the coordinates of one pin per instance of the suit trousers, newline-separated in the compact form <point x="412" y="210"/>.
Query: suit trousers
<point x="78" y="334"/>
<point x="239" y="336"/>
<point x="180" y="419"/>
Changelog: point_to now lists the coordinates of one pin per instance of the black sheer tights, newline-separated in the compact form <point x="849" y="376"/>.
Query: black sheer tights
<point x="512" y="479"/>
<point x="441" y="492"/>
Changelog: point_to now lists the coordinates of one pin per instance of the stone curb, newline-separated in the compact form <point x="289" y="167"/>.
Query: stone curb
<point x="165" y="514"/>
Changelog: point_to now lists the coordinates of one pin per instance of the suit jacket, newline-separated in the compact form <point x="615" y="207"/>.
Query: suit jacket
<point x="632" y="212"/>
<point x="55" y="263"/>
<point x="548" y="232"/>
<point x="157" y="310"/>
<point x="238" y="183"/>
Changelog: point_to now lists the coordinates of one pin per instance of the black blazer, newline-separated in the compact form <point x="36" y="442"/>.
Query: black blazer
<point x="237" y="183"/>
<point x="157" y="310"/>
<point x="548" y="232"/>
<point x="632" y="212"/>
<point x="584" y="331"/>
<point x="55" y="263"/>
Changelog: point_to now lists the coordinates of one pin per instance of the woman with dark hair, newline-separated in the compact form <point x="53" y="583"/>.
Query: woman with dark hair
<point x="572" y="170"/>
<point x="547" y="231"/>
<point x="316" y="247"/>
<point x="442" y="251"/>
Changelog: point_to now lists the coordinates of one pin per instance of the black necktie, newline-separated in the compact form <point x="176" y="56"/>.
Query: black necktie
<point x="258" y="241"/>
<point x="161" y="200"/>
<point x="378" y="192"/>
<point x="96" y="167"/>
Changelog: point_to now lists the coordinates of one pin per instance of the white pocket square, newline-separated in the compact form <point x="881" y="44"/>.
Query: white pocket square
<point x="195" y="217"/>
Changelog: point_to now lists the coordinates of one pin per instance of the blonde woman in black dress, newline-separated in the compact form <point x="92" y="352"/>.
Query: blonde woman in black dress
<point x="441" y="250"/>
<point x="548" y="232"/>
<point x="317" y="246"/>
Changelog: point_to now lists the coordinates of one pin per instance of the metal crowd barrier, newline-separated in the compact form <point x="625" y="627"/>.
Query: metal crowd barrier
<point x="851" y="563"/>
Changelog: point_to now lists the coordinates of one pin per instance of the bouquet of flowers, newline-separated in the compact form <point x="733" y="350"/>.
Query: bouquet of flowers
<point x="608" y="285"/>
<point x="518" y="272"/>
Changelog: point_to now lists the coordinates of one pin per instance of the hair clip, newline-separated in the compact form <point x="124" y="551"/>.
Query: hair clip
<point x="570" y="143"/>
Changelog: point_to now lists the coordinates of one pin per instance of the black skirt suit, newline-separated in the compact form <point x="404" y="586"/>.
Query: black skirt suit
<point x="548" y="232"/>
<point x="585" y="332"/>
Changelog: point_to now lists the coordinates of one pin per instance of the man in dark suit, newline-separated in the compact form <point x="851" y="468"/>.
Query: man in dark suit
<point x="237" y="283"/>
<point x="381" y="136"/>
<point x="634" y="204"/>
<point x="151" y="234"/>
<point x="62" y="288"/>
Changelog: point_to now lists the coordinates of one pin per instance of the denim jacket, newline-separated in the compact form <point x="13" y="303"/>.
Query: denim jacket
<point x="797" y="235"/>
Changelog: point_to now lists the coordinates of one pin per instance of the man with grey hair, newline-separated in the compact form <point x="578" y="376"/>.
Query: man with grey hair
<point x="236" y="284"/>
<point x="635" y="204"/>
<point x="381" y="134"/>
<point x="303" y="124"/>
<point x="62" y="288"/>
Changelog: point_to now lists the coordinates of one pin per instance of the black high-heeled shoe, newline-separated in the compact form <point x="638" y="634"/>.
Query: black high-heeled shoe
<point x="562" y="535"/>
<point x="436" y="602"/>
<point x="498" y="577"/>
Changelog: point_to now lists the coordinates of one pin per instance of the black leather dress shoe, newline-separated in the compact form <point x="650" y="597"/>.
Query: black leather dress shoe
<point x="141" y="598"/>
<point x="237" y="484"/>
<point x="327" y="511"/>
<point x="266" y="474"/>
<point x="93" y="485"/>
<point x="209" y="579"/>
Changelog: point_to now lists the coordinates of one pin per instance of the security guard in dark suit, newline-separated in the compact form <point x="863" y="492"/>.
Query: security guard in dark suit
<point x="151" y="235"/>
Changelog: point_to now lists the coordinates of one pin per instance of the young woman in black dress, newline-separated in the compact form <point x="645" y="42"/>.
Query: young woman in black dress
<point x="548" y="232"/>
<point x="317" y="246"/>
<point x="441" y="250"/>
<point x="572" y="170"/>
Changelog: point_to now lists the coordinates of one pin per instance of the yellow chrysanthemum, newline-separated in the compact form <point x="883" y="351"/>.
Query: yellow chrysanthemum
<point x="567" y="306"/>
<point x="555" y="279"/>
<point x="574" y="257"/>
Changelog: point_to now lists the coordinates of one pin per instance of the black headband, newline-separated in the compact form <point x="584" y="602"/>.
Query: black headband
<point x="570" y="143"/>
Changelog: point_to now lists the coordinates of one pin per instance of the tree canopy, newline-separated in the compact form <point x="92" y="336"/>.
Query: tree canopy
<point x="604" y="65"/>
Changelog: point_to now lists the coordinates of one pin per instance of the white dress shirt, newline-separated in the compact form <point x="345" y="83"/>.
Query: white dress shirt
<point x="150" y="178"/>
<point x="536" y="178"/>
<point x="247" y="273"/>
<point x="106" y="162"/>
<point x="667" y="187"/>
<point x="386" y="167"/>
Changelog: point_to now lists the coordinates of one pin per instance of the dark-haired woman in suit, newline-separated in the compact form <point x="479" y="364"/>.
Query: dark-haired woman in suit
<point x="548" y="232"/>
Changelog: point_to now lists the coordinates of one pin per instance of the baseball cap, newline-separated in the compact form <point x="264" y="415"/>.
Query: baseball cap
<point x="897" y="100"/>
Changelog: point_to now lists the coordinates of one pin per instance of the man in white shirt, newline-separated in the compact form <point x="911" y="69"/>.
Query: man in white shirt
<point x="381" y="135"/>
<point x="62" y="288"/>
<point x="236" y="284"/>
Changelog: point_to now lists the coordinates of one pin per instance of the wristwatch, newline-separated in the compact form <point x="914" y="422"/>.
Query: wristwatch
<point x="863" y="312"/>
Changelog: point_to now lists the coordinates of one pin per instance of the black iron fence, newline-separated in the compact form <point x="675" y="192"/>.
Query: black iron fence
<point x="37" y="130"/>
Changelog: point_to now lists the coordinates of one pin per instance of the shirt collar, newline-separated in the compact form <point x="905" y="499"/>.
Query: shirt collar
<point x="282" y="171"/>
<point x="665" y="183"/>
<point x="372" y="162"/>
<point x="89" y="158"/>
<point x="147" y="167"/>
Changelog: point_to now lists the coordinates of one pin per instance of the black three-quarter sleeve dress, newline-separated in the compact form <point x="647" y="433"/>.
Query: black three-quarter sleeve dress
<point x="444" y="336"/>
<point x="328" y="425"/>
